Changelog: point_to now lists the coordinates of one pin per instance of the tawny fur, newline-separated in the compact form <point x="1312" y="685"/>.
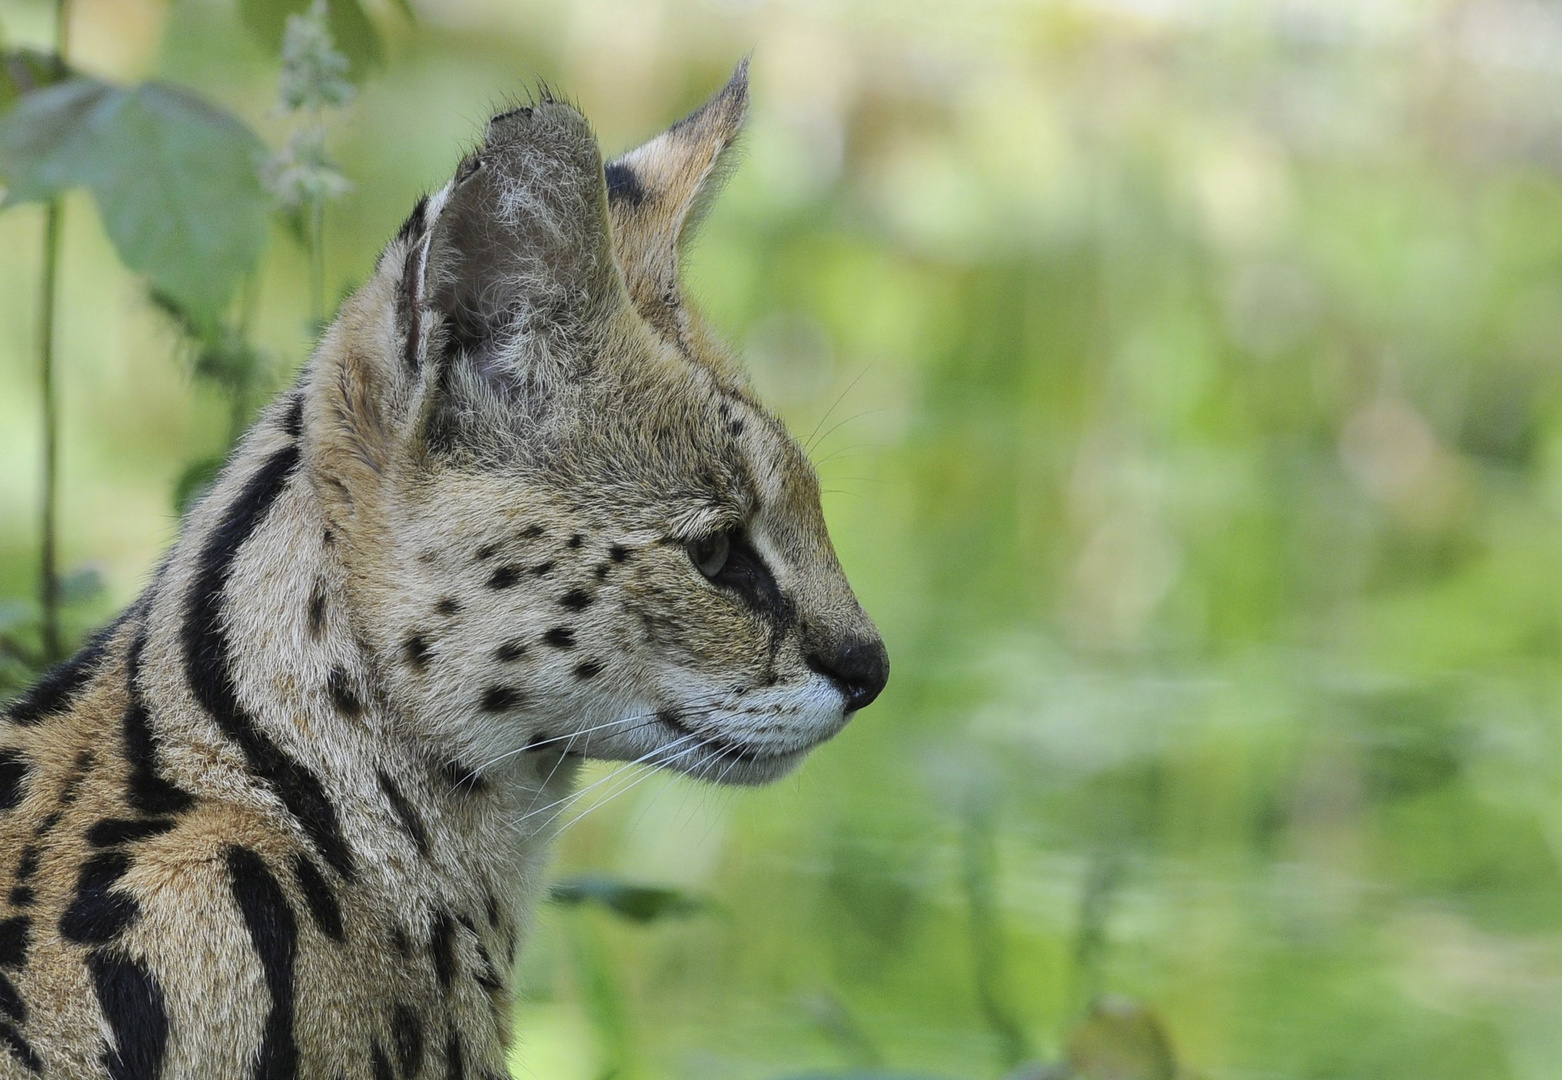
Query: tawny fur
<point x="286" y="817"/>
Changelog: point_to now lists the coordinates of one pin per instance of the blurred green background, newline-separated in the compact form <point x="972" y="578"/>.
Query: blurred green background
<point x="1183" y="380"/>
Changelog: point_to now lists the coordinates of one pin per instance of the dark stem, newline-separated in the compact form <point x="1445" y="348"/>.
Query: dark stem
<point x="48" y="565"/>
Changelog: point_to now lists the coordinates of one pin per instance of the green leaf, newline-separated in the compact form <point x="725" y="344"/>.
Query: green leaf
<point x="83" y="584"/>
<point x="405" y="7"/>
<point x="17" y="615"/>
<point x="24" y="70"/>
<point x="353" y="33"/>
<point x="176" y="179"/>
<point x="637" y="903"/>
<point x="194" y="483"/>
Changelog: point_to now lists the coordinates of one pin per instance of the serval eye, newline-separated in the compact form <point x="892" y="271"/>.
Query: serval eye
<point x="709" y="554"/>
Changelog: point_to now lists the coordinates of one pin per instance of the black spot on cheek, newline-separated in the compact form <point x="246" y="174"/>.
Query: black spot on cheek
<point x="618" y="553"/>
<point x="23" y="896"/>
<point x="510" y="651"/>
<point x="588" y="669"/>
<point x="560" y="637"/>
<point x="416" y="650"/>
<point x="379" y="1064"/>
<point x="13" y="770"/>
<point x="600" y="571"/>
<point x="409" y="1039"/>
<point x="736" y="427"/>
<point x="576" y="600"/>
<point x="576" y="540"/>
<point x="441" y="946"/>
<point x="500" y="698"/>
<point x="406" y="812"/>
<point x="504" y="577"/>
<point x="532" y="532"/>
<point x="487" y="551"/>
<point x="342" y="695"/>
<point x="448" y="606"/>
<point x="542" y="568"/>
<point x="16" y="934"/>
<point x="317" y="612"/>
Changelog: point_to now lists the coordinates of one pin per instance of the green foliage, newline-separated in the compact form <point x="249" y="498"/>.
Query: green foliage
<point x="176" y="179"/>
<point x="636" y="903"/>
<point x="350" y="28"/>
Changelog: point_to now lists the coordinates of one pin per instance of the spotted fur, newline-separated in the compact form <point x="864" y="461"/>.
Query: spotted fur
<point x="286" y="816"/>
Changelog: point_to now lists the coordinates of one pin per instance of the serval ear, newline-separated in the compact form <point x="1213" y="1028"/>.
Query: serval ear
<point x="516" y="266"/>
<point x="658" y="192"/>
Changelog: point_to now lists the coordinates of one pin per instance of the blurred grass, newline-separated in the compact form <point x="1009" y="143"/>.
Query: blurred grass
<point x="1184" y="381"/>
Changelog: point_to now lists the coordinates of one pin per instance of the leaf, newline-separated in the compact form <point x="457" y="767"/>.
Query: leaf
<point x="176" y="180"/>
<point x="24" y="70"/>
<point x="405" y="7"/>
<point x="637" y="903"/>
<point x="17" y="614"/>
<point x="1121" y="1039"/>
<point x="194" y="483"/>
<point x="352" y="32"/>
<point x="81" y="585"/>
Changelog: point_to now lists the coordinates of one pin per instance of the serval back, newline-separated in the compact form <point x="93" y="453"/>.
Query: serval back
<point x="286" y="816"/>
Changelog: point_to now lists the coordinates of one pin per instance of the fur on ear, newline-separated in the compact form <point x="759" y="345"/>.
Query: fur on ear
<point x="658" y="192"/>
<point x="519" y="246"/>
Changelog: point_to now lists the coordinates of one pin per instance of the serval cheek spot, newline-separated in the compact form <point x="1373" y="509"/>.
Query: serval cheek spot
<point x="406" y="813"/>
<point x="576" y="600"/>
<point x="500" y="699"/>
<point x="531" y="532"/>
<point x="487" y="551"/>
<point x="416" y="650"/>
<point x="618" y="553"/>
<point x="448" y="606"/>
<point x="510" y="651"/>
<point x="341" y="692"/>
<point x="588" y="669"/>
<point x="428" y="555"/>
<point x="23" y="896"/>
<point x="379" y="1064"/>
<point x="576" y="540"/>
<point x="504" y="577"/>
<point x="316" y="619"/>
<point x="441" y="946"/>
<point x="560" y="637"/>
<point x="408" y="1031"/>
<point x="542" y="568"/>
<point x="600" y="571"/>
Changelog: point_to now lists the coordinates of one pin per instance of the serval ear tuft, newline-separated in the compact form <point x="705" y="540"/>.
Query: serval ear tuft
<point x="657" y="193"/>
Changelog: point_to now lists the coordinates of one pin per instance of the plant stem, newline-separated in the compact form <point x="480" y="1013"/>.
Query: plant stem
<point x="48" y="567"/>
